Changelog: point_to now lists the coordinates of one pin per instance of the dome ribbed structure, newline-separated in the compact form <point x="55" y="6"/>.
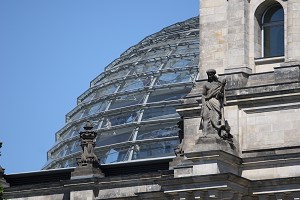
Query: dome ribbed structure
<point x="132" y="103"/>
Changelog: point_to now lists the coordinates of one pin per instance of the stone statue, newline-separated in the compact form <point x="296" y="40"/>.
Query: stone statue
<point x="212" y="112"/>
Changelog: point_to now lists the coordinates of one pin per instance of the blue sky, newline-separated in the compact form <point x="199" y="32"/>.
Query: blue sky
<point x="50" y="50"/>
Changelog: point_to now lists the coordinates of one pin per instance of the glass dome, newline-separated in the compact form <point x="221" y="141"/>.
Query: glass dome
<point x="132" y="103"/>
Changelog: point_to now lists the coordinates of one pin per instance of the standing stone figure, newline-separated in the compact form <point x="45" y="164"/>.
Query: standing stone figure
<point x="212" y="113"/>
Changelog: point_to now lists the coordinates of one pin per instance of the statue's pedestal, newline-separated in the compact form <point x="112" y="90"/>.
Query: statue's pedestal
<point x="205" y="163"/>
<point x="214" y="143"/>
<point x="3" y="183"/>
<point x="86" y="172"/>
<point x="203" y="154"/>
<point x="88" y="164"/>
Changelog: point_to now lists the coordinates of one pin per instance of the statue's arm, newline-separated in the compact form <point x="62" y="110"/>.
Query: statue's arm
<point x="204" y="95"/>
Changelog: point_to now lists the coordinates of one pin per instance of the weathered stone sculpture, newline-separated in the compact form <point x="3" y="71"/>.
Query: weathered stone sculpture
<point x="88" y="164"/>
<point x="179" y="149"/>
<point x="88" y="156"/>
<point x="212" y="112"/>
<point x="3" y="183"/>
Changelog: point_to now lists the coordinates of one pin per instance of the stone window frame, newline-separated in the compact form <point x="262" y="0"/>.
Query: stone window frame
<point x="259" y="17"/>
<point x="265" y="25"/>
<point x="257" y="9"/>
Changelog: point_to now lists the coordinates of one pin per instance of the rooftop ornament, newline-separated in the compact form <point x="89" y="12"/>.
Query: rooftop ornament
<point x="88" y="141"/>
<point x="88" y="163"/>
<point x="3" y="183"/>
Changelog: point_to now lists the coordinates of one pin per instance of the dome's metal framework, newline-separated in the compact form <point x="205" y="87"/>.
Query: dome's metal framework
<point x="132" y="103"/>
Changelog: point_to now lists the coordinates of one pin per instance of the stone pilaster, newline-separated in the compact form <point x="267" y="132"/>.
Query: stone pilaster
<point x="213" y="35"/>
<point x="224" y="36"/>
<point x="293" y="30"/>
<point x="238" y="37"/>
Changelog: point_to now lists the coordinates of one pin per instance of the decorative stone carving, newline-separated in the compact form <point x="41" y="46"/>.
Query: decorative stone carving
<point x="88" y="164"/>
<point x="3" y="183"/>
<point x="212" y="112"/>
<point x="178" y="150"/>
<point x="88" y="156"/>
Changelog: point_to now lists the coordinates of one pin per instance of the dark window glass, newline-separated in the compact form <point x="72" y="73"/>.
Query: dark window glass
<point x="273" y="32"/>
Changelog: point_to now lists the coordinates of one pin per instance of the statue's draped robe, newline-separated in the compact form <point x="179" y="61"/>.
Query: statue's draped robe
<point x="212" y="108"/>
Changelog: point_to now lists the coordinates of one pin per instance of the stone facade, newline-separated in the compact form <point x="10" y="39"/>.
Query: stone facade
<point x="231" y="39"/>
<point x="263" y="160"/>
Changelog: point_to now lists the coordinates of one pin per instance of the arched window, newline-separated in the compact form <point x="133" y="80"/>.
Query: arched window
<point x="273" y="32"/>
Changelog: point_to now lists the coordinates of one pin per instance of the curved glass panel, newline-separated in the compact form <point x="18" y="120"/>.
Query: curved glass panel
<point x="120" y="119"/>
<point x="114" y="155"/>
<point x="147" y="67"/>
<point x="114" y="75"/>
<point x="153" y="132"/>
<point x="105" y="91"/>
<point x="156" y="53"/>
<point x="66" y="134"/>
<point x="98" y="107"/>
<point x="159" y="113"/>
<point x="168" y="94"/>
<point x="178" y="63"/>
<point x="135" y="84"/>
<point x="155" y="149"/>
<point x="101" y="92"/>
<point x="114" y="137"/>
<point x="72" y="132"/>
<point x="69" y="147"/>
<point x="173" y="77"/>
<point x="76" y="147"/>
<point x="125" y="95"/>
<point x="58" y="153"/>
<point x="76" y="116"/>
<point x="127" y="100"/>
<point x="185" y="49"/>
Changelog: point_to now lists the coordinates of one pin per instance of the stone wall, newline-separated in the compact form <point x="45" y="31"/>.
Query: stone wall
<point x="270" y="127"/>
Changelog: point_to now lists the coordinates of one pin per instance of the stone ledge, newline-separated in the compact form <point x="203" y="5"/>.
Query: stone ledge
<point x="86" y="172"/>
<point x="205" y="163"/>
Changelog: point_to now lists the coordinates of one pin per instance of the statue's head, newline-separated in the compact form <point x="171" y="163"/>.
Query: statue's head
<point x="211" y="74"/>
